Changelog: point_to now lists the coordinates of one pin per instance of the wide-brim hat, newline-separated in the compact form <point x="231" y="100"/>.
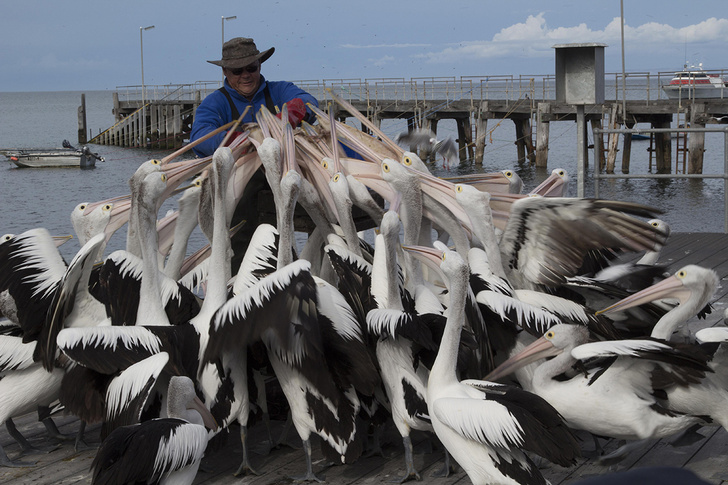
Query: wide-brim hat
<point x="240" y="52"/>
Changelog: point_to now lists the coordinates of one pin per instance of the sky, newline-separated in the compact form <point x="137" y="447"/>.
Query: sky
<point x="78" y="45"/>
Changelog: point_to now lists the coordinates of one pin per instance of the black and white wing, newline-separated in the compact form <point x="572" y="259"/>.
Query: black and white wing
<point x="547" y="238"/>
<point x="145" y="452"/>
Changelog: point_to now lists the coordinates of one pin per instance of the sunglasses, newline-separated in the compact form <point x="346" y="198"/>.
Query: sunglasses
<point x="240" y="70"/>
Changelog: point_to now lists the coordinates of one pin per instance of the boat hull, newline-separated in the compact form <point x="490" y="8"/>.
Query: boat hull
<point x="699" y="92"/>
<point x="53" y="158"/>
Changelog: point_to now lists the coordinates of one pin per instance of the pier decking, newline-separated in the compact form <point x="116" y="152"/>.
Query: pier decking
<point x="707" y="457"/>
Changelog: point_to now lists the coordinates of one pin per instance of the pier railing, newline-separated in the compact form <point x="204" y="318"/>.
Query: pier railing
<point x="644" y="86"/>
<point x="598" y="176"/>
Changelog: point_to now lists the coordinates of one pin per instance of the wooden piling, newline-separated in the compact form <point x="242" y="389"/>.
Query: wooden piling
<point x="663" y="148"/>
<point x="542" y="134"/>
<point x="82" y="129"/>
<point x="598" y="143"/>
<point x="626" y="152"/>
<point x="696" y="140"/>
<point x="464" y="138"/>
<point x="613" y="139"/>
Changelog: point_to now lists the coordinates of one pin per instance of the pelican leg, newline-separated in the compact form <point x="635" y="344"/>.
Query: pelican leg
<point x="245" y="467"/>
<point x="7" y="462"/>
<point x="282" y="440"/>
<point x="53" y="430"/>
<point x="79" y="443"/>
<point x="24" y="443"/>
<point x="623" y="451"/>
<point x="310" y="476"/>
<point x="375" y="447"/>
<point x="410" y="472"/>
<point x="447" y="468"/>
<point x="263" y="404"/>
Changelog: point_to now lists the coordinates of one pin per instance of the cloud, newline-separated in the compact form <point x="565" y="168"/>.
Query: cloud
<point x="385" y="46"/>
<point x="382" y="61"/>
<point x="534" y="38"/>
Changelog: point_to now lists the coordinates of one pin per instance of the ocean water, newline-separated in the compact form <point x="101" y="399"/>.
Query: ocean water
<point x="45" y="197"/>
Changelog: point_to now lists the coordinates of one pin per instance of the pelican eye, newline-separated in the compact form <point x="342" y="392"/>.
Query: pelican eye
<point x="7" y="237"/>
<point x="443" y="256"/>
<point x="550" y="334"/>
<point x="508" y="173"/>
<point x="681" y="274"/>
<point x="655" y="224"/>
<point x="385" y="167"/>
<point x="325" y="164"/>
<point x="336" y="177"/>
<point x="164" y="177"/>
<point x="407" y="161"/>
<point x="561" y="173"/>
<point x="155" y="162"/>
<point x="82" y="207"/>
<point x="459" y="188"/>
<point x="107" y="207"/>
<point x="198" y="183"/>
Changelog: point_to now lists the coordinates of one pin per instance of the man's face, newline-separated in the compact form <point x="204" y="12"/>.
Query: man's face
<point x="243" y="80"/>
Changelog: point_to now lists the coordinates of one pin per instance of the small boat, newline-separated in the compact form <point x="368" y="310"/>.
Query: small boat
<point x="639" y="136"/>
<point x="68" y="156"/>
<point x="693" y="82"/>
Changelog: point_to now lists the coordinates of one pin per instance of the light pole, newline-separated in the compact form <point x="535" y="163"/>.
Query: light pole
<point x="222" y="23"/>
<point x="141" y="45"/>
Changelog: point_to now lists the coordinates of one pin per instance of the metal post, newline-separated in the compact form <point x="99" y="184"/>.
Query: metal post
<point x="624" y="77"/>
<point x="222" y="22"/>
<point x="581" y="148"/>
<point x="725" y="181"/>
<point x="141" y="46"/>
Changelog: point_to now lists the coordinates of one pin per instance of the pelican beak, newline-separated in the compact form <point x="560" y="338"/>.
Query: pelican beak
<point x="671" y="287"/>
<point x="165" y="232"/>
<point x="496" y="182"/>
<point x="394" y="205"/>
<point x="195" y="259"/>
<point x="430" y="256"/>
<point x="180" y="171"/>
<point x="189" y="146"/>
<point x="289" y="150"/>
<point x="61" y="240"/>
<point x="540" y="349"/>
<point x="444" y="193"/>
<point x="119" y="216"/>
<point x="207" y="417"/>
<point x="114" y="200"/>
<point x="553" y="186"/>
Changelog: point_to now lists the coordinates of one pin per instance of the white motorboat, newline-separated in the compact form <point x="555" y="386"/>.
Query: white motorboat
<point x="695" y="83"/>
<point x="68" y="156"/>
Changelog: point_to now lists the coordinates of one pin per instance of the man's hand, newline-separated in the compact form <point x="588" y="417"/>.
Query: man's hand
<point x="296" y="111"/>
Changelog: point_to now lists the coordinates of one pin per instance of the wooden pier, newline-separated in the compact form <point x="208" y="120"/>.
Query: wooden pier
<point x="705" y="457"/>
<point x="474" y="102"/>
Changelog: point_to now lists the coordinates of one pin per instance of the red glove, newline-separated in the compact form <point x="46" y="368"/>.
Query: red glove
<point x="234" y="136"/>
<point x="296" y="111"/>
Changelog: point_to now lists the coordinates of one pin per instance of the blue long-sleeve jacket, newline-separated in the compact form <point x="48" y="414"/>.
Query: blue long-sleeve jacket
<point x="214" y="111"/>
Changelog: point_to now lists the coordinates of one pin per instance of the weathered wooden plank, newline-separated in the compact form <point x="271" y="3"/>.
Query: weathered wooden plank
<point x="709" y="462"/>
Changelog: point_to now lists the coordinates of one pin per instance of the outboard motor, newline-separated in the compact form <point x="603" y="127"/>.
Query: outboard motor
<point x="88" y="158"/>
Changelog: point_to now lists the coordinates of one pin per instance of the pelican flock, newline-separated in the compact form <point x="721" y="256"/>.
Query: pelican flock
<point x="441" y="323"/>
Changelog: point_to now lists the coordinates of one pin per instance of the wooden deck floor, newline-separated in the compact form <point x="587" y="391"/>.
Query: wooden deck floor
<point x="708" y="457"/>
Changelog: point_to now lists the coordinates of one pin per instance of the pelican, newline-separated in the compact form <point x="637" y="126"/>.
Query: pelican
<point x="428" y="140"/>
<point x="615" y="396"/>
<point x="164" y="450"/>
<point x="692" y="285"/>
<point x="290" y="298"/>
<point x="488" y="427"/>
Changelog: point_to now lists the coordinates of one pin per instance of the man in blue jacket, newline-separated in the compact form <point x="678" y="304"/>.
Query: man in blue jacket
<point x="245" y="86"/>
